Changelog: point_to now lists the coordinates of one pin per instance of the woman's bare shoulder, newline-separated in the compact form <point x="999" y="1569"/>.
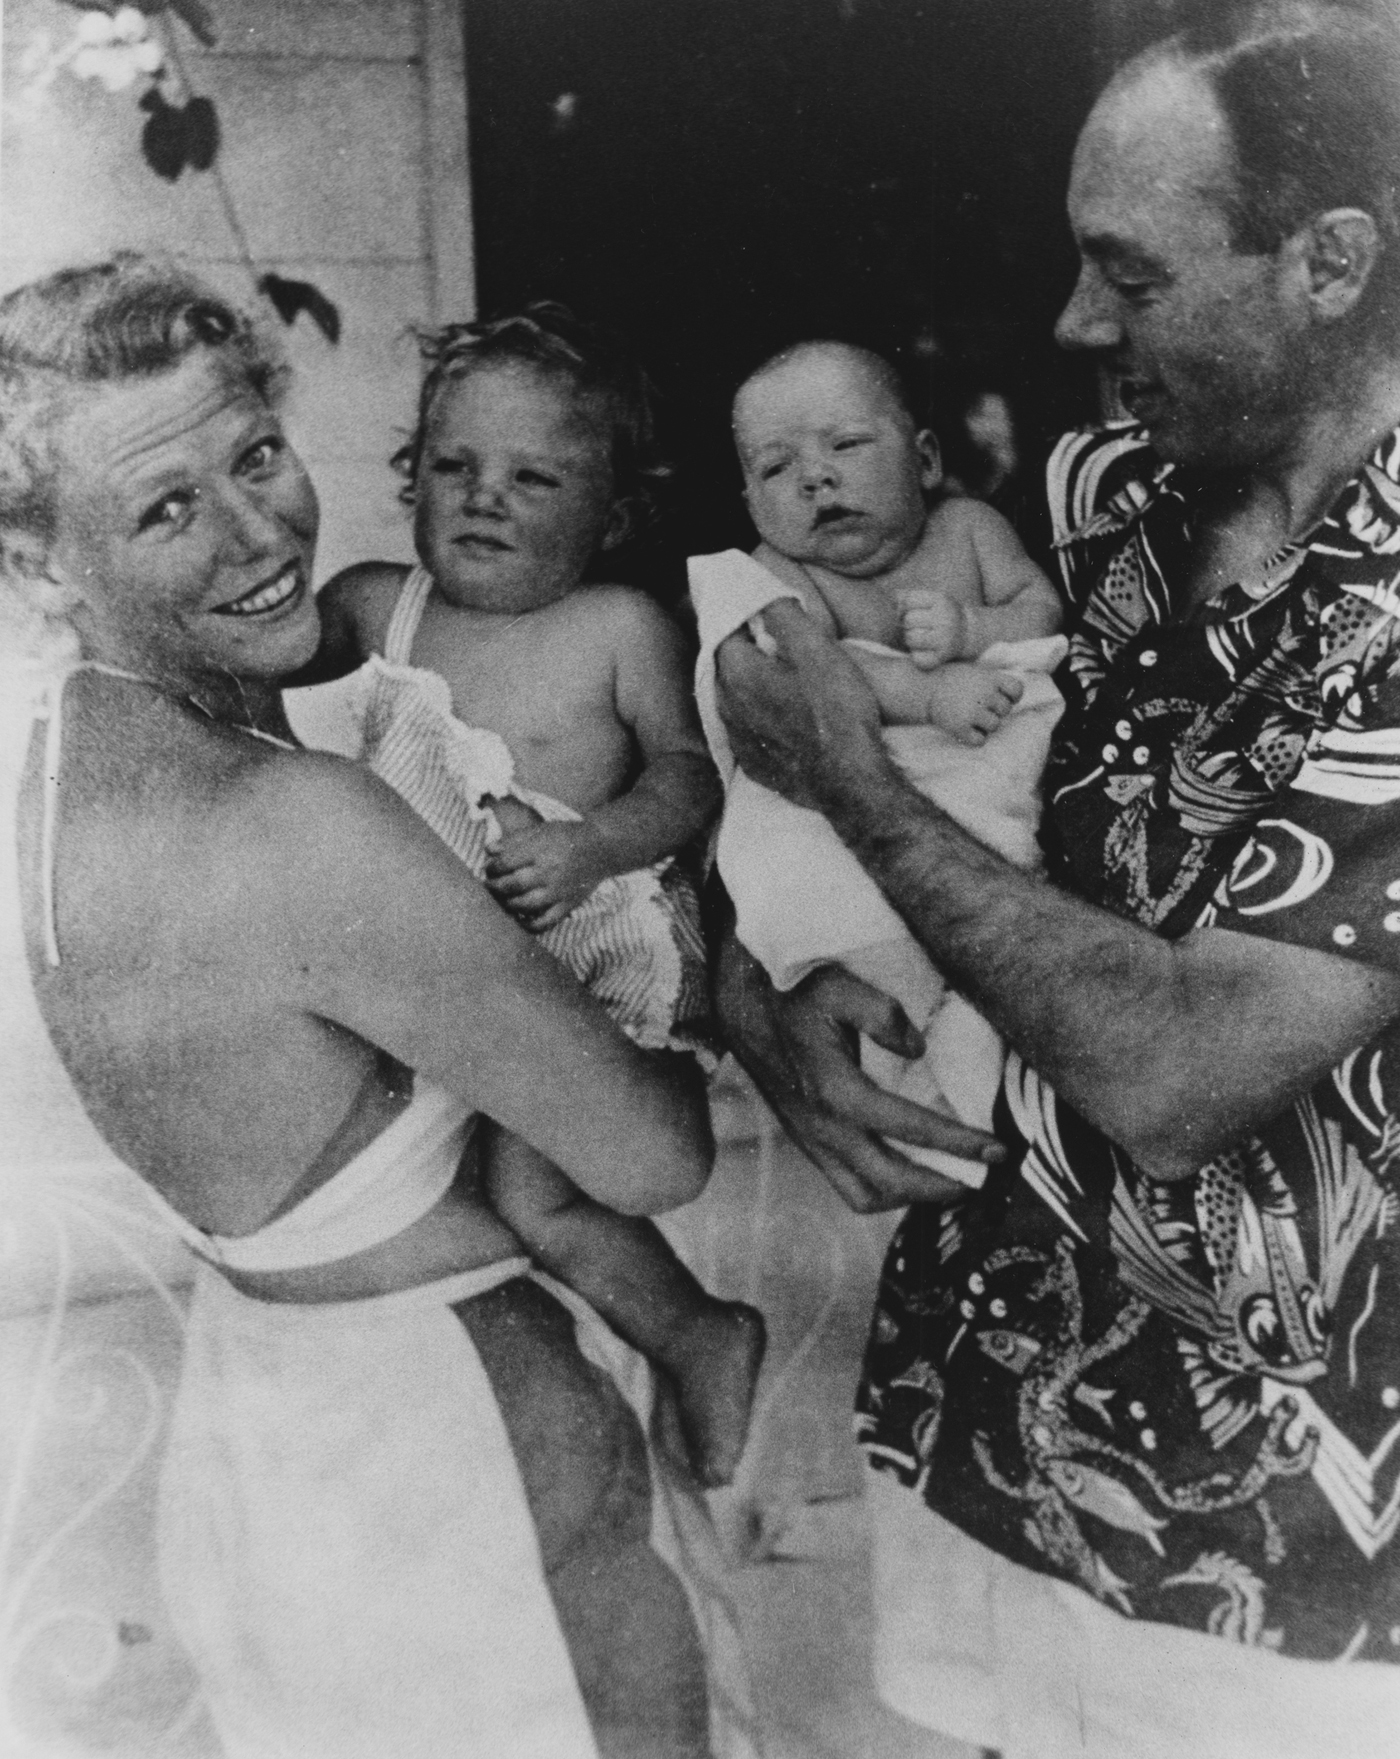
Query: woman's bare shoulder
<point x="313" y="809"/>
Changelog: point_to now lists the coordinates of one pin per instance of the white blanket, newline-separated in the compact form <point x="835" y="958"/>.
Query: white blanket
<point x="801" y="898"/>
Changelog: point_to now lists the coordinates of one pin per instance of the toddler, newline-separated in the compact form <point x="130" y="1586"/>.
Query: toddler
<point x="954" y="627"/>
<point x="545" y="729"/>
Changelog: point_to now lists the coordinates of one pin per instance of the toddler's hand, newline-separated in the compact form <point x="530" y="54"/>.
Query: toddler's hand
<point x="933" y="625"/>
<point x="511" y="814"/>
<point x="542" y="873"/>
<point x="972" y="701"/>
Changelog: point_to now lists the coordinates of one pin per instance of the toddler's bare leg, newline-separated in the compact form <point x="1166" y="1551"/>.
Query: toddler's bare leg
<point x="623" y="1266"/>
<point x="625" y="1618"/>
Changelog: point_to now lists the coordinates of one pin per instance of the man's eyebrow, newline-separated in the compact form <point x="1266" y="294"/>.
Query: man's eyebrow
<point x="1102" y="245"/>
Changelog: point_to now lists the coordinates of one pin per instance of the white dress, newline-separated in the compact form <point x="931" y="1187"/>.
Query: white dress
<point x="345" y="1545"/>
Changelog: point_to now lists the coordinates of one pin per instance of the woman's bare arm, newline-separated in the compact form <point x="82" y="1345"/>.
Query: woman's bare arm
<point x="388" y="935"/>
<point x="1159" y="1043"/>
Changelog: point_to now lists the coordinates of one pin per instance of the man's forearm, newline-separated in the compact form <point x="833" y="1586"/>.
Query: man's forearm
<point x="1173" y="1049"/>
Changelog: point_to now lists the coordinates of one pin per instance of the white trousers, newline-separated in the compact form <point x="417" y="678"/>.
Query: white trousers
<point x="979" y="1648"/>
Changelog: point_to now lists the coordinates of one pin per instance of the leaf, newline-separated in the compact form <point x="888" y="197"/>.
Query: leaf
<point x="178" y="135"/>
<point x="292" y="297"/>
<point x="201" y="133"/>
<point x="163" y="137"/>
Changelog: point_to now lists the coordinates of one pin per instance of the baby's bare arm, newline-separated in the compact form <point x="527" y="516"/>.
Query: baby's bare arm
<point x="984" y="588"/>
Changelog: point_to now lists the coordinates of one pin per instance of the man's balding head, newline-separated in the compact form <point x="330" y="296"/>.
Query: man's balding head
<point x="1310" y="96"/>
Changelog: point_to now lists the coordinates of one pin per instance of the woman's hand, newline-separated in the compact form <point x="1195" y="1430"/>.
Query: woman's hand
<point x="802" y="1050"/>
<point x="801" y="719"/>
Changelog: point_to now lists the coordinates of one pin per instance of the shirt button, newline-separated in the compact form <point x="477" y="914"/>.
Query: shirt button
<point x="1344" y="935"/>
<point x="1110" y="752"/>
<point x="1124" y="729"/>
<point x="1148" y="657"/>
<point x="1392" y="922"/>
<point x="1392" y="891"/>
<point x="1141" y="754"/>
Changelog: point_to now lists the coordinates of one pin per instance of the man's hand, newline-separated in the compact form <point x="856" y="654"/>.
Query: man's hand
<point x="801" y="717"/>
<point x="934" y="627"/>
<point x="802" y="1050"/>
<point x="544" y="871"/>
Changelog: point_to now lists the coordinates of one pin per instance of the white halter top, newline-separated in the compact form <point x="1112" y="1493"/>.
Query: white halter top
<point x="396" y="1179"/>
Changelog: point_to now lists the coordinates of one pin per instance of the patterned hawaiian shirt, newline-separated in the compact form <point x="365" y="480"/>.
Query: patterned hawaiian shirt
<point x="1185" y="1397"/>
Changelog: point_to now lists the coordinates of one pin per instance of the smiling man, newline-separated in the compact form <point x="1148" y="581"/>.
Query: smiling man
<point x="1134" y="1408"/>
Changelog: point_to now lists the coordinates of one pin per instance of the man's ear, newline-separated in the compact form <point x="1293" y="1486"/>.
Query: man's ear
<point x="930" y="460"/>
<point x="1340" y="249"/>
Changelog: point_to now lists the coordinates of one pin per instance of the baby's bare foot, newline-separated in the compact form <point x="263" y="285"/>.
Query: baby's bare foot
<point x="715" y="1369"/>
<point x="971" y="701"/>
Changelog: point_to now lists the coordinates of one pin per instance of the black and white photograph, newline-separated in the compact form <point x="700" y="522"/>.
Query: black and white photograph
<point x="700" y="892"/>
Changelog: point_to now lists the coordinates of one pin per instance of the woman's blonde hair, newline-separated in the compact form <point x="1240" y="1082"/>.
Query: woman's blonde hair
<point x="132" y="317"/>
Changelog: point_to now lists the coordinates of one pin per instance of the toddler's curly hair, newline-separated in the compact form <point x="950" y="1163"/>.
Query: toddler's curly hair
<point x="596" y="366"/>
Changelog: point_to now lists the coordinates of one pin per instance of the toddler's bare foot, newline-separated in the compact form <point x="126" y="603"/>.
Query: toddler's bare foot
<point x="971" y="701"/>
<point x="715" y="1367"/>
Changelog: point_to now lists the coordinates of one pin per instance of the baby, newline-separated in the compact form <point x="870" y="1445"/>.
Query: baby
<point x="545" y="729"/>
<point x="954" y="627"/>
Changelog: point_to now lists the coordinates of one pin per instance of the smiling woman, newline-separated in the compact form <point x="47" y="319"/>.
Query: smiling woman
<point x="370" y="1540"/>
<point x="181" y="494"/>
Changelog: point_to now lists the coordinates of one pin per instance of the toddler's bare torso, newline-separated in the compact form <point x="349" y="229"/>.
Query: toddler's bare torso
<point x="545" y="682"/>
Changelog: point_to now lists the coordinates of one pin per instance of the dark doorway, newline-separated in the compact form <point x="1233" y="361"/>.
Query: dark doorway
<point x="718" y="177"/>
